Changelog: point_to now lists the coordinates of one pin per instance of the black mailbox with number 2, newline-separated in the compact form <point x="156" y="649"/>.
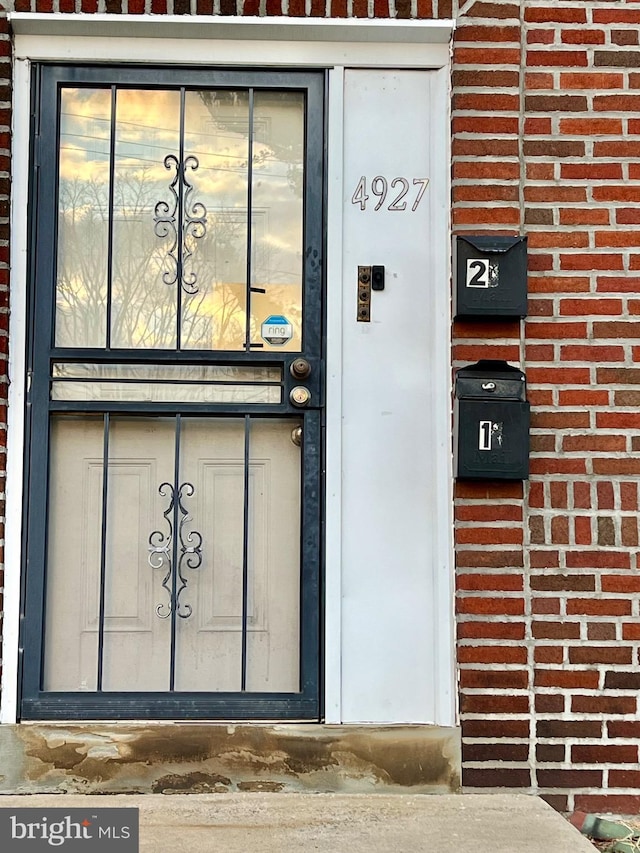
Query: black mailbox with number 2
<point x="491" y="277"/>
<point x="492" y="422"/>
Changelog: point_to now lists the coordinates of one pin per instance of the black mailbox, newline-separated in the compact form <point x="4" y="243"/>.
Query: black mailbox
<point x="492" y="422"/>
<point x="491" y="277"/>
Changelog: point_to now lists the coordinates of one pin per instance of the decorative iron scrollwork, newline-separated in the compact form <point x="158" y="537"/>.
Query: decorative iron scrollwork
<point x="161" y="550"/>
<point x="190" y="221"/>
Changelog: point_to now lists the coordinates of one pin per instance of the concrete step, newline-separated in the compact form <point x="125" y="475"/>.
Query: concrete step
<point x="335" y="823"/>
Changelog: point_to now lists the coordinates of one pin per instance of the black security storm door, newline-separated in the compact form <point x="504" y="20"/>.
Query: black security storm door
<point x="173" y="496"/>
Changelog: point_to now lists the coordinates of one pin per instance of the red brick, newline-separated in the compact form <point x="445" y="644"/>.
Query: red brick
<point x="492" y="654"/>
<point x="496" y="582"/>
<point x="467" y="32"/>
<point x="541" y="37"/>
<point x="496" y="215"/>
<point x="591" y="80"/>
<point x="559" y="194"/>
<point x="598" y="560"/>
<point x="493" y="679"/>
<point x="479" y="704"/>
<point x="544" y="465"/>
<point x="492" y="752"/>
<point x="576" y="216"/>
<point x="559" y="375"/>
<point x="545" y="606"/>
<point x="592" y="260"/>
<point x="593" y="126"/>
<point x="494" y="630"/>
<point x="558" y="284"/>
<point x="546" y="14"/>
<point x="631" y="631"/>
<point x="596" y="443"/>
<point x="591" y="171"/>
<point x="474" y="352"/>
<point x="606" y="753"/>
<point x="481" y="170"/>
<point x="629" y="496"/>
<point x="548" y="654"/>
<point x="566" y="58"/>
<point x="501" y="777"/>
<point x="600" y="654"/>
<point x="491" y="490"/>
<point x="592" y="352"/>
<point x="546" y="703"/>
<point x="582" y="36"/>
<point x="603" y="704"/>
<point x="478" y="101"/>
<point x="621" y="804"/>
<point x="583" y="398"/>
<point x="497" y="606"/>
<point x="624" y="728"/>
<point x="560" y="420"/>
<point x="567" y="679"/>
<point x="556" y="630"/>
<point x="616" y="103"/>
<point x="495" y="728"/>
<point x="558" y="240"/>
<point x="605" y="495"/>
<point x="488" y="512"/>
<point x="570" y="778"/>
<point x="601" y="631"/>
<point x="598" y="607"/>
<point x="621" y="583"/>
<point x="559" y="331"/>
<point x="488" y="536"/>
<point x="482" y="56"/>
<point x="582" y="530"/>
<point x="624" y="778"/>
<point x="627" y="216"/>
<point x="597" y="305"/>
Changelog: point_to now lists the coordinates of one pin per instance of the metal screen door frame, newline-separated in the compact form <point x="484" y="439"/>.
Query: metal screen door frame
<point x="36" y="702"/>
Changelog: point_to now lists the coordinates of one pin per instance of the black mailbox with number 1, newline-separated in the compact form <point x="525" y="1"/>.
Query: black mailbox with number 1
<point x="492" y="422"/>
<point x="491" y="277"/>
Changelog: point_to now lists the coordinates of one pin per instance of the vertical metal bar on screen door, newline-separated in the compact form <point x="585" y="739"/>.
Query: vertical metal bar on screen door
<point x="245" y="550"/>
<point x="180" y="235"/>
<point x="103" y="547"/>
<point x="112" y="174"/>
<point x="247" y="331"/>
<point x="174" y="549"/>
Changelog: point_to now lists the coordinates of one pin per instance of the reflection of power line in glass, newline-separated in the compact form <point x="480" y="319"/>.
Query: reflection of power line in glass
<point x="257" y="159"/>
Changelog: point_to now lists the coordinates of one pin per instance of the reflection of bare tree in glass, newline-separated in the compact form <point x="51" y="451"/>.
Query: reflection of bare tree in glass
<point x="82" y="253"/>
<point x="143" y="307"/>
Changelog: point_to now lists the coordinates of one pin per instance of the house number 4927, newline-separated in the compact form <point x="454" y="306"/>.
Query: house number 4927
<point x="396" y="193"/>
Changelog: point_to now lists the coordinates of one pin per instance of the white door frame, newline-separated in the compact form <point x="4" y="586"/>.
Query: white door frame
<point x="263" y="42"/>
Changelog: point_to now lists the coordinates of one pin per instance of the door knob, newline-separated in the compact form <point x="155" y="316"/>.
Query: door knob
<point x="300" y="368"/>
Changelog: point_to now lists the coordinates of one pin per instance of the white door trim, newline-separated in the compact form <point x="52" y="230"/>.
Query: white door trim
<point x="294" y="43"/>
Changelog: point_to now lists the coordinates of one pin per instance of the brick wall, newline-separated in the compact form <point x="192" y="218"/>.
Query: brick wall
<point x="546" y="141"/>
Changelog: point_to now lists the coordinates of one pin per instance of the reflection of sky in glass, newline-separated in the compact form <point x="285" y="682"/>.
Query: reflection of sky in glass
<point x="144" y="302"/>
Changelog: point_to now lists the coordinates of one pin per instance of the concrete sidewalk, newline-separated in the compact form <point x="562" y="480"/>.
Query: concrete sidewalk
<point x="336" y="823"/>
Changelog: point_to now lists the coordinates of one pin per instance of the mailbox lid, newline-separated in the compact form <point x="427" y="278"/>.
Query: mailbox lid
<point x="491" y="379"/>
<point x="493" y="244"/>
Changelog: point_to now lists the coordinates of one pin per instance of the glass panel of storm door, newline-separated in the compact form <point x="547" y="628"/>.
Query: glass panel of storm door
<point x="216" y="633"/>
<point x="215" y="270"/>
<point x="73" y="559"/>
<point x="137" y="623"/>
<point x="147" y="148"/>
<point x="83" y="218"/>
<point x="277" y="214"/>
